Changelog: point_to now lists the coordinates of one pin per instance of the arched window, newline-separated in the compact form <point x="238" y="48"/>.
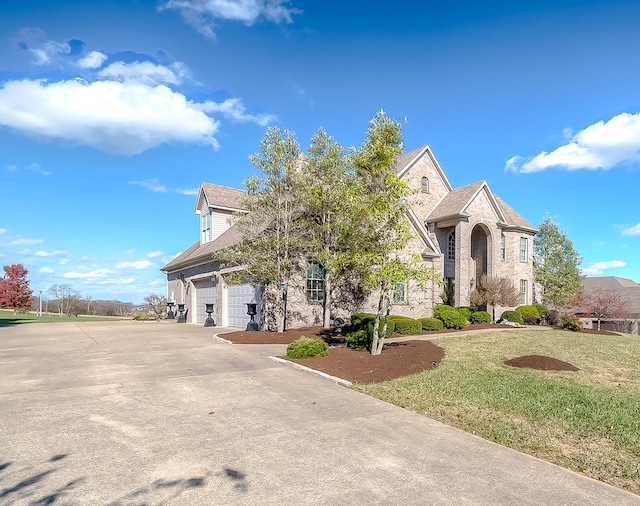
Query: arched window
<point x="424" y="185"/>
<point x="451" y="246"/>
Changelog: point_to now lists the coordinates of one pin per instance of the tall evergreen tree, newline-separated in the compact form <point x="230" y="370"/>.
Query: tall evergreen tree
<point x="556" y="265"/>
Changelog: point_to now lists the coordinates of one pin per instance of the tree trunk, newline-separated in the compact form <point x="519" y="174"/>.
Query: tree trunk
<point x="384" y="308"/>
<point x="326" y="302"/>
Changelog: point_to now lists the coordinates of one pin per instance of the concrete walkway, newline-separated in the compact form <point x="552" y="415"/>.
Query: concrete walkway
<point x="133" y="413"/>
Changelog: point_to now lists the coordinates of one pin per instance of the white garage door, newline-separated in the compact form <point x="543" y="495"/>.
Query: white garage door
<point x="206" y="293"/>
<point x="237" y="298"/>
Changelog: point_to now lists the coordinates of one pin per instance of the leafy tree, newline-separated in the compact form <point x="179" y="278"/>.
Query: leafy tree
<point x="155" y="305"/>
<point x="270" y="242"/>
<point x="494" y="292"/>
<point x="330" y="221"/>
<point x="556" y="265"/>
<point x="384" y="202"/>
<point x="14" y="288"/>
<point x="602" y="304"/>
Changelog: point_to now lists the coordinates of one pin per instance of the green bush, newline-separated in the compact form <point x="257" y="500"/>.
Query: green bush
<point x="530" y="314"/>
<point x="570" y="322"/>
<point x="431" y="323"/>
<point x="512" y="316"/>
<point x="358" y="340"/>
<point x="364" y="322"/>
<point x="450" y="317"/>
<point x="307" y="347"/>
<point x="542" y="309"/>
<point x="405" y="325"/>
<point x="141" y="318"/>
<point x="465" y="311"/>
<point x="480" y="317"/>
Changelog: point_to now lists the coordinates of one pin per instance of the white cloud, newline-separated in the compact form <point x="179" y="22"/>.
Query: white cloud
<point x="603" y="145"/>
<point x="42" y="253"/>
<point x="157" y="282"/>
<point x="634" y="230"/>
<point x="33" y="167"/>
<point x="596" y="269"/>
<point x="25" y="242"/>
<point x="119" y="117"/>
<point x="63" y="261"/>
<point x="96" y="274"/>
<point x="43" y="50"/>
<point x="139" y="264"/>
<point x="125" y="281"/>
<point x="151" y="184"/>
<point x="154" y="254"/>
<point x="143" y="72"/>
<point x="93" y="60"/>
<point x="234" y="109"/>
<point x="202" y="14"/>
<point x="3" y="231"/>
<point x="46" y="270"/>
<point x="188" y="191"/>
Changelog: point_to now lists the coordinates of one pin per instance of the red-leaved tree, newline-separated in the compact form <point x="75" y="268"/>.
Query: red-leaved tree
<point x="14" y="288"/>
<point x="602" y="304"/>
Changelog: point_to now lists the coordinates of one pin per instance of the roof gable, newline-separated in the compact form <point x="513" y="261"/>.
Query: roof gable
<point x="219" y="197"/>
<point x="404" y="163"/>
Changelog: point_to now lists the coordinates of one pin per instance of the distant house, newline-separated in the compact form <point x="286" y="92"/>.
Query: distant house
<point x="629" y="290"/>
<point x="462" y="233"/>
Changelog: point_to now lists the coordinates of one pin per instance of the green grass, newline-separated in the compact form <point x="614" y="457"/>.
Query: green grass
<point x="587" y="421"/>
<point x="7" y="317"/>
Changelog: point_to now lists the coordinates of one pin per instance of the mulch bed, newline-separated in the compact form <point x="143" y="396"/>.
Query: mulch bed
<point x="396" y="360"/>
<point x="541" y="363"/>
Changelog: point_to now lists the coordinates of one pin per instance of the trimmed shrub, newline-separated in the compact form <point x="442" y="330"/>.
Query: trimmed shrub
<point x="542" y="309"/>
<point x="431" y="323"/>
<point x="450" y="317"/>
<point x="405" y="325"/>
<point x="512" y="316"/>
<point x="358" y="340"/>
<point x="465" y="311"/>
<point x="530" y="314"/>
<point x="364" y="322"/>
<point x="307" y="347"/>
<point x="570" y="322"/>
<point x="141" y="318"/>
<point x="480" y="317"/>
<point x="552" y="317"/>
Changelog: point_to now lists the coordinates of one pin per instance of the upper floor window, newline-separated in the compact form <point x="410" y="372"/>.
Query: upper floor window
<point x="503" y="253"/>
<point x="451" y="246"/>
<point x="205" y="221"/>
<point x="400" y="293"/>
<point x="523" y="292"/>
<point x="523" y="249"/>
<point x="424" y="185"/>
<point x="315" y="281"/>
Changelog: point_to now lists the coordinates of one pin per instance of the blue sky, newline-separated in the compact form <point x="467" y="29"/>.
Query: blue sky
<point x="113" y="112"/>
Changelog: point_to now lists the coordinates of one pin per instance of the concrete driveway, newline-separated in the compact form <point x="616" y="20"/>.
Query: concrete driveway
<point x="133" y="413"/>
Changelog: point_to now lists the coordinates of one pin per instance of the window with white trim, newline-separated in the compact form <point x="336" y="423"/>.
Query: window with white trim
<point x="315" y="281"/>
<point x="523" y="249"/>
<point x="523" y="292"/>
<point x="503" y="253"/>
<point x="451" y="246"/>
<point x="205" y="221"/>
<point x="424" y="184"/>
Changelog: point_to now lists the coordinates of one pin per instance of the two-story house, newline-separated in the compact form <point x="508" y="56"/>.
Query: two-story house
<point x="462" y="233"/>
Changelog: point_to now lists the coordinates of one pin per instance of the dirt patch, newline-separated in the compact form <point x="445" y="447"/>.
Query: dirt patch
<point x="541" y="363"/>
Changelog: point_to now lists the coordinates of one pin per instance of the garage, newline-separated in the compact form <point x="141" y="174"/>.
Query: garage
<point x="206" y="293"/>
<point x="237" y="298"/>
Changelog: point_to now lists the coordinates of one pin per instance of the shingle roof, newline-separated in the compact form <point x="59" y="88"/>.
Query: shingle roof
<point x="455" y="202"/>
<point x="628" y="288"/>
<point x="513" y="218"/>
<point x="199" y="252"/>
<point x="222" y="196"/>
